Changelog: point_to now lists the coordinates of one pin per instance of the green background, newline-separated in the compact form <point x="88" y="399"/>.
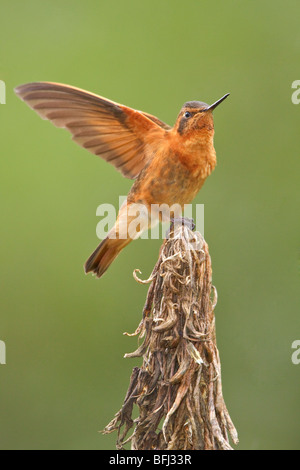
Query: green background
<point x="65" y="375"/>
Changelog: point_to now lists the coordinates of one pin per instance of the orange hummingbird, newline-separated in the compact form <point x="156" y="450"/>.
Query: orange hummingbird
<point x="169" y="164"/>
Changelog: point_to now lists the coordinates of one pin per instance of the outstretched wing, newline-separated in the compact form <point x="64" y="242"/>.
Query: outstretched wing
<point x="115" y="132"/>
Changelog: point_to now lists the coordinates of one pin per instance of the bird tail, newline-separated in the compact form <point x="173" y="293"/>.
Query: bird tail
<point x="104" y="255"/>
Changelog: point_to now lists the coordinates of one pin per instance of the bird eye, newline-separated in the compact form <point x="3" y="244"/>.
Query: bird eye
<point x="187" y="114"/>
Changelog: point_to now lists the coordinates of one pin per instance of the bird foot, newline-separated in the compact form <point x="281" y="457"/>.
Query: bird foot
<point x="176" y="222"/>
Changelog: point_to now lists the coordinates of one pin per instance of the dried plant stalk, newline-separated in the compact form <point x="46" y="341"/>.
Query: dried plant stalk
<point x="178" y="389"/>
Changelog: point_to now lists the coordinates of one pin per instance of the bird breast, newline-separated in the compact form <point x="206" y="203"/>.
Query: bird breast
<point x="172" y="178"/>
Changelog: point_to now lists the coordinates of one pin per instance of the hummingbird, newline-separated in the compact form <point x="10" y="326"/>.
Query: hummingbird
<point x="169" y="165"/>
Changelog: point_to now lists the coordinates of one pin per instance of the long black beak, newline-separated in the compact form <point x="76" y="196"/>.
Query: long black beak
<point x="213" y="106"/>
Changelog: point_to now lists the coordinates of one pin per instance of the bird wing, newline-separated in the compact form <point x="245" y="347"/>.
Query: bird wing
<point x="115" y="132"/>
<point x="162" y="124"/>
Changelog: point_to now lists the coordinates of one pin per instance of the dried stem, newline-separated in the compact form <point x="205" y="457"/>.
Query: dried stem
<point x="178" y="389"/>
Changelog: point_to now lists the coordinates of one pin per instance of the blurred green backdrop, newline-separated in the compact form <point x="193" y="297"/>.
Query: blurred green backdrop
<point x="65" y="375"/>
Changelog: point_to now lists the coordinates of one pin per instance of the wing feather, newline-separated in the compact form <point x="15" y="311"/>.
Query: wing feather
<point x="118" y="134"/>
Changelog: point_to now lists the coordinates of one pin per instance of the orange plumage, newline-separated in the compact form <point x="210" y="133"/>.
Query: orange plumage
<point x="169" y="164"/>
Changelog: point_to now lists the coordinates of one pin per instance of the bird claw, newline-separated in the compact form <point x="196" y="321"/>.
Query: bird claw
<point x="175" y="222"/>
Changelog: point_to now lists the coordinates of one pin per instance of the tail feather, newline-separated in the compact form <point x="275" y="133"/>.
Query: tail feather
<point x="104" y="255"/>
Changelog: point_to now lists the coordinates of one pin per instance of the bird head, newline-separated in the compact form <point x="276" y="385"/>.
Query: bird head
<point x="196" y="119"/>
